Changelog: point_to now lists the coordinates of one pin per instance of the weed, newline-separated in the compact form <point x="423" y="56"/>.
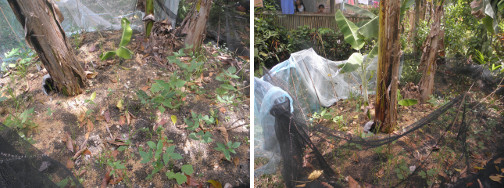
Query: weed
<point x="195" y="66"/>
<point x="162" y="158"/>
<point x="228" y="148"/>
<point x="18" y="60"/>
<point x="226" y="76"/>
<point x="428" y="175"/>
<point x="21" y="122"/>
<point x="181" y="177"/>
<point x="117" y="167"/>
<point x="164" y="94"/>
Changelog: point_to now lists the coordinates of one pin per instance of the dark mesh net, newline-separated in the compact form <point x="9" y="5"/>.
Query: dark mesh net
<point x="448" y="127"/>
<point x="23" y="165"/>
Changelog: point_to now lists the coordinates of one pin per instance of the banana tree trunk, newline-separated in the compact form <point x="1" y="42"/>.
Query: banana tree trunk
<point x="43" y="32"/>
<point x="389" y="53"/>
<point x="194" y="25"/>
<point x="431" y="46"/>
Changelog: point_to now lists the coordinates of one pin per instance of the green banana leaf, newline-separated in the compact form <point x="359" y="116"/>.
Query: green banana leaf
<point x="349" y="30"/>
<point x="352" y="64"/>
<point x="360" y="11"/>
<point x="370" y="29"/>
<point x="121" y="51"/>
<point x="127" y="32"/>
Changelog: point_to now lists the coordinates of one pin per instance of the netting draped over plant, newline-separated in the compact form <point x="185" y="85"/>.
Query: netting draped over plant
<point x="309" y="82"/>
<point x="88" y="15"/>
<point x="290" y="93"/>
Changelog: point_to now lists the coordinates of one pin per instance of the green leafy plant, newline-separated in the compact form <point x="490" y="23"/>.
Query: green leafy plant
<point x="18" y="60"/>
<point x="356" y="37"/>
<point x="121" y="51"/>
<point x="205" y="137"/>
<point x="21" y="122"/>
<point x="192" y="67"/>
<point x="158" y="158"/>
<point x="181" y="177"/>
<point x="402" y="170"/>
<point x="226" y="76"/>
<point x="228" y="148"/>
<point x="194" y="122"/>
<point x="117" y="167"/>
<point x="428" y="175"/>
<point x="164" y="94"/>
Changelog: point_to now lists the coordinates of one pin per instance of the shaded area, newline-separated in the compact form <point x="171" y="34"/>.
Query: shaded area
<point x="22" y="165"/>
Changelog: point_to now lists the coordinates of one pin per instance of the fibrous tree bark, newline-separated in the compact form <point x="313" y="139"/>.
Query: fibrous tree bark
<point x="389" y="53"/>
<point x="194" y="25"/>
<point x="43" y="32"/>
<point x="431" y="46"/>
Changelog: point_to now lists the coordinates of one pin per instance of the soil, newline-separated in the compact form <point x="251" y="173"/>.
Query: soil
<point x="436" y="165"/>
<point x="100" y="126"/>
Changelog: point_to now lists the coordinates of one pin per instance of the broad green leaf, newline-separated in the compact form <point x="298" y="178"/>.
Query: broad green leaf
<point x="159" y="150"/>
<point x="193" y="136"/>
<point x="352" y="64"/>
<point x="145" y="156"/>
<point x="236" y="145"/>
<point x="166" y="158"/>
<point x="107" y="55"/>
<point x="373" y="53"/>
<point x="179" y="83"/>
<point x="151" y="144"/>
<point x="349" y="30"/>
<point x="181" y="178"/>
<point x="360" y="11"/>
<point x="127" y="32"/>
<point x="228" y="87"/>
<point x="370" y="29"/>
<point x="161" y="109"/>
<point x="26" y="114"/>
<point x="176" y="156"/>
<point x="187" y="169"/>
<point x="231" y="70"/>
<point x="407" y="102"/>
<point x="488" y="23"/>
<point x="124" y="52"/>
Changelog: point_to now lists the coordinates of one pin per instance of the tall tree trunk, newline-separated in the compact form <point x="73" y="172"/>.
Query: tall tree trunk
<point x="431" y="46"/>
<point x="415" y="25"/>
<point x="194" y="25"/>
<point x="389" y="53"/>
<point x="45" y="34"/>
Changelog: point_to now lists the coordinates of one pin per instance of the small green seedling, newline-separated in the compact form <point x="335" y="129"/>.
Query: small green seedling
<point x="159" y="158"/>
<point x="181" y="176"/>
<point x="164" y="94"/>
<point x="121" y="51"/>
<point x="205" y="137"/>
<point x="116" y="166"/>
<point x="228" y="148"/>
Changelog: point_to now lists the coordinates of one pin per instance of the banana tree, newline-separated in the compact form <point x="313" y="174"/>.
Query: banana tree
<point x="356" y="37"/>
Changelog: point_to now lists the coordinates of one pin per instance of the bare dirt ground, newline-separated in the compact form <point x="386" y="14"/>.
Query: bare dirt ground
<point x="85" y="132"/>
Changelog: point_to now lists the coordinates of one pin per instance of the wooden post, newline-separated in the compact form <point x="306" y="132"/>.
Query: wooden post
<point x="44" y="33"/>
<point x="389" y="53"/>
